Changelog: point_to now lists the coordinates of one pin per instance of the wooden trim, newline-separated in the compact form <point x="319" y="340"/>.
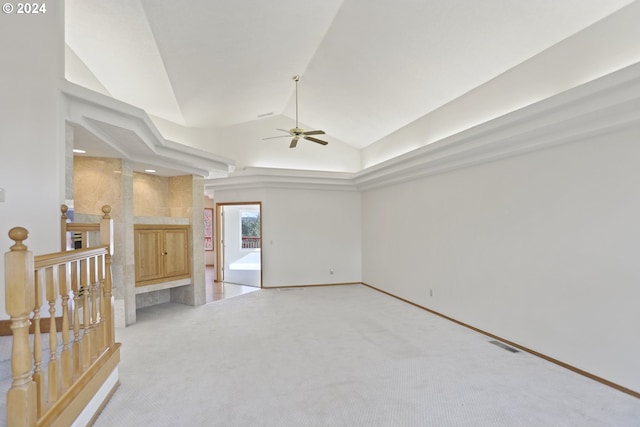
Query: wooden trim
<point x="238" y="203"/>
<point x="65" y="410"/>
<point x="45" y="324"/>
<point x="217" y="243"/>
<point x="77" y="227"/>
<point x="166" y="279"/>
<point x="161" y="226"/>
<point x="218" y="237"/>
<point x="5" y="328"/>
<point x="513" y="344"/>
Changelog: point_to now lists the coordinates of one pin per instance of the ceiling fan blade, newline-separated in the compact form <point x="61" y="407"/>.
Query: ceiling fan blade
<point x="274" y="137"/>
<point x="319" y="141"/>
<point x="294" y="142"/>
<point x="313" y="132"/>
<point x="284" y="130"/>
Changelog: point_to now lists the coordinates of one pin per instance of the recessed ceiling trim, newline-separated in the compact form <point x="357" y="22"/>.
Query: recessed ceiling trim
<point x="600" y="107"/>
<point x="130" y="132"/>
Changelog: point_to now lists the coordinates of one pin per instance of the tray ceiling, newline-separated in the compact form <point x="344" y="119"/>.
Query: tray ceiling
<point x="368" y="67"/>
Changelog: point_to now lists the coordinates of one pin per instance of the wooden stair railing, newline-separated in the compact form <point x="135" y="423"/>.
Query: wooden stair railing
<point x="52" y="387"/>
<point x="82" y="232"/>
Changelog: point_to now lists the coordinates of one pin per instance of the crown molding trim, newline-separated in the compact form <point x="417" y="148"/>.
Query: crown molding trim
<point x="254" y="177"/>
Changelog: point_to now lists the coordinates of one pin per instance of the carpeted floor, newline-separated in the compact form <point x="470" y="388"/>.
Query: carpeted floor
<point x="339" y="356"/>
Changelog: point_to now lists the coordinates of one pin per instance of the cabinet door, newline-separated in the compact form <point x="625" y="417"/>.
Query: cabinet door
<point x="148" y="255"/>
<point x="176" y="252"/>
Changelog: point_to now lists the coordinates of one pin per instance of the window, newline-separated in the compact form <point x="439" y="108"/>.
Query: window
<point x="250" y="222"/>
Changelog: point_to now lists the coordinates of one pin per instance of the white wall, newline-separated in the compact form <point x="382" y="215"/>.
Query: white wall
<point x="77" y="72"/>
<point x="305" y="234"/>
<point x="540" y="249"/>
<point x="32" y="156"/>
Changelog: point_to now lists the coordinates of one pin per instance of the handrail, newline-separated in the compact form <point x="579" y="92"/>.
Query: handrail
<point x="251" y="242"/>
<point x="84" y="228"/>
<point x="58" y="258"/>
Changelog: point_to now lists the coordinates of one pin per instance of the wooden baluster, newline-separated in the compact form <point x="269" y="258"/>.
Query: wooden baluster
<point x="102" y="342"/>
<point x="93" y="283"/>
<point x="38" y="375"/>
<point x="85" y="290"/>
<point x="75" y="349"/>
<point x="19" y="302"/>
<point x="108" y="304"/>
<point x="53" y="369"/>
<point x="106" y="238"/>
<point x="65" y="356"/>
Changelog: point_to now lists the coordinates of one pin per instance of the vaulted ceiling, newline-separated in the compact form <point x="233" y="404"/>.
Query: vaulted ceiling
<point x="368" y="67"/>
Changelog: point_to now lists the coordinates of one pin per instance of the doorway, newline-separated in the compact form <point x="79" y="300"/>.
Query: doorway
<point x="239" y="242"/>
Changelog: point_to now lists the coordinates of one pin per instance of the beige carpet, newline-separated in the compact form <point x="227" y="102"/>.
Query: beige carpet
<point x="339" y="356"/>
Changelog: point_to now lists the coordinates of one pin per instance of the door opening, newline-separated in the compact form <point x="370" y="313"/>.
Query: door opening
<point x="239" y="243"/>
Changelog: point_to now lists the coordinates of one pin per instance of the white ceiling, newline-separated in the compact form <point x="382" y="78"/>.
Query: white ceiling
<point x="368" y="67"/>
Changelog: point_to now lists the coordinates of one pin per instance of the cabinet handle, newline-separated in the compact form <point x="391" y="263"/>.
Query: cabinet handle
<point x="164" y="253"/>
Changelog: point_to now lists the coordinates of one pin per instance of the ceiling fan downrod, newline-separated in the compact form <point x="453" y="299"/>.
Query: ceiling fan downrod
<point x="296" y="79"/>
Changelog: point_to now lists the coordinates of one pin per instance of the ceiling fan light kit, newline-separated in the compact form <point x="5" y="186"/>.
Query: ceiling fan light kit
<point x="297" y="132"/>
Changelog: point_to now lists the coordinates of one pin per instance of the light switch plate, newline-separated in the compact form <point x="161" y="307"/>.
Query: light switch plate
<point x="1" y="195"/>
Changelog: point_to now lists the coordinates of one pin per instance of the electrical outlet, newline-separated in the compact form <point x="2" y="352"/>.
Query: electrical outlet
<point x="331" y="271"/>
<point x="430" y="292"/>
<point x="1" y="195"/>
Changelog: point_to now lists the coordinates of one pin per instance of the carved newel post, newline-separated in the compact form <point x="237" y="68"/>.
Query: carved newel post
<point x="20" y="301"/>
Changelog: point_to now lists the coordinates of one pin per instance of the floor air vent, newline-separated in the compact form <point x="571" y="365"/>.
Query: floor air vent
<point x="504" y="346"/>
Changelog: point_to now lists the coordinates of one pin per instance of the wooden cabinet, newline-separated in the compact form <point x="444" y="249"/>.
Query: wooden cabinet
<point x="162" y="253"/>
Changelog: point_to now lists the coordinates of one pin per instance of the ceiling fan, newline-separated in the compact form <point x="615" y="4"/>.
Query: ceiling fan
<point x="297" y="132"/>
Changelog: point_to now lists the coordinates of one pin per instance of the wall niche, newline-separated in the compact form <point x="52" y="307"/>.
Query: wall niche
<point x="142" y="198"/>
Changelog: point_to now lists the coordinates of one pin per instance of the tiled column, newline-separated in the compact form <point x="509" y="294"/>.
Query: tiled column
<point x="126" y="299"/>
<point x="187" y="201"/>
<point x="197" y="242"/>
